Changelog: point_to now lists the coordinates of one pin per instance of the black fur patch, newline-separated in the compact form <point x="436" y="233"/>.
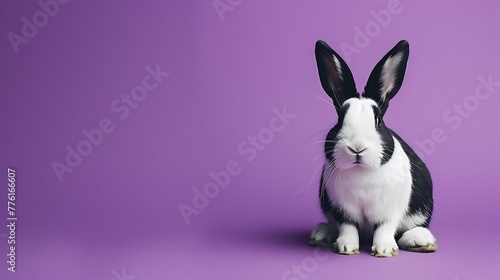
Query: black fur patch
<point x="331" y="138"/>
<point x="385" y="135"/>
<point x="387" y="142"/>
<point x="421" y="200"/>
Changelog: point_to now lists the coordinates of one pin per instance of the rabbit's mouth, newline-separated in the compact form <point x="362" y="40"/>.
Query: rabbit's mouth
<point x="358" y="158"/>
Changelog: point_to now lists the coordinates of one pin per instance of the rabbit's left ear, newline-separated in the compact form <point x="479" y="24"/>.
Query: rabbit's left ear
<point x="335" y="76"/>
<point x="387" y="76"/>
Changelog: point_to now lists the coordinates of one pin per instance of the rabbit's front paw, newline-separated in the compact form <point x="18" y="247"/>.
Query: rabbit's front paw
<point x="385" y="250"/>
<point x="345" y="246"/>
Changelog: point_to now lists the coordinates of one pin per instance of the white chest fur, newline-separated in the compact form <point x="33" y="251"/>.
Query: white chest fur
<point x="372" y="196"/>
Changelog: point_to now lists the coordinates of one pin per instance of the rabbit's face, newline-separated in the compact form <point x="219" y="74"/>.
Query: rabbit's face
<point x="359" y="143"/>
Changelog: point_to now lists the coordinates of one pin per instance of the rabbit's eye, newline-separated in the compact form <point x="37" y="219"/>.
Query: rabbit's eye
<point x="378" y="120"/>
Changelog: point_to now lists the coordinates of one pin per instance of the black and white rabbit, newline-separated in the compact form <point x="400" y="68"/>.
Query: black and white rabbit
<point x="372" y="181"/>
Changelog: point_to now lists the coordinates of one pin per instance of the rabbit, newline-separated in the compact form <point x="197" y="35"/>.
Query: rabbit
<point x="372" y="182"/>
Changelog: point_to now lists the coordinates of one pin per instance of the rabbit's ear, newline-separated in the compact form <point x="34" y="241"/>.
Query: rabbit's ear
<point x="387" y="76"/>
<point x="336" y="78"/>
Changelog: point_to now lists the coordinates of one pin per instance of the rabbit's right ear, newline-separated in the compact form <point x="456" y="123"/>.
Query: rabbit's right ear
<point x="387" y="76"/>
<point x="336" y="77"/>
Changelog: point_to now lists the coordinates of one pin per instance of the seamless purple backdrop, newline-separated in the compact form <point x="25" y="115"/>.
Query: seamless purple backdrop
<point x="234" y="69"/>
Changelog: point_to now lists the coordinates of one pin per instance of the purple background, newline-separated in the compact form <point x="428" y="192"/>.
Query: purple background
<point x="119" y="207"/>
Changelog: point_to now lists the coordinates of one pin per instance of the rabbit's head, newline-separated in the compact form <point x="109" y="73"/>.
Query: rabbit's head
<point x="360" y="137"/>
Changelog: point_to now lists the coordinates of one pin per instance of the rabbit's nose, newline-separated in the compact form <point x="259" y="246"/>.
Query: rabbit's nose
<point x="356" y="149"/>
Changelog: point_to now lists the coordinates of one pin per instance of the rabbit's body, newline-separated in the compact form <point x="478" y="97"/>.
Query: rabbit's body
<point x="368" y="197"/>
<point x="372" y="182"/>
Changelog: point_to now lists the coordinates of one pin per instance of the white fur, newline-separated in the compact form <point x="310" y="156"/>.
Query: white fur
<point x="348" y="241"/>
<point x="338" y="66"/>
<point x="388" y="76"/>
<point x="372" y="196"/>
<point x="384" y="244"/>
<point x="411" y="221"/>
<point x="417" y="237"/>
<point x="370" y="193"/>
<point x="358" y="133"/>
